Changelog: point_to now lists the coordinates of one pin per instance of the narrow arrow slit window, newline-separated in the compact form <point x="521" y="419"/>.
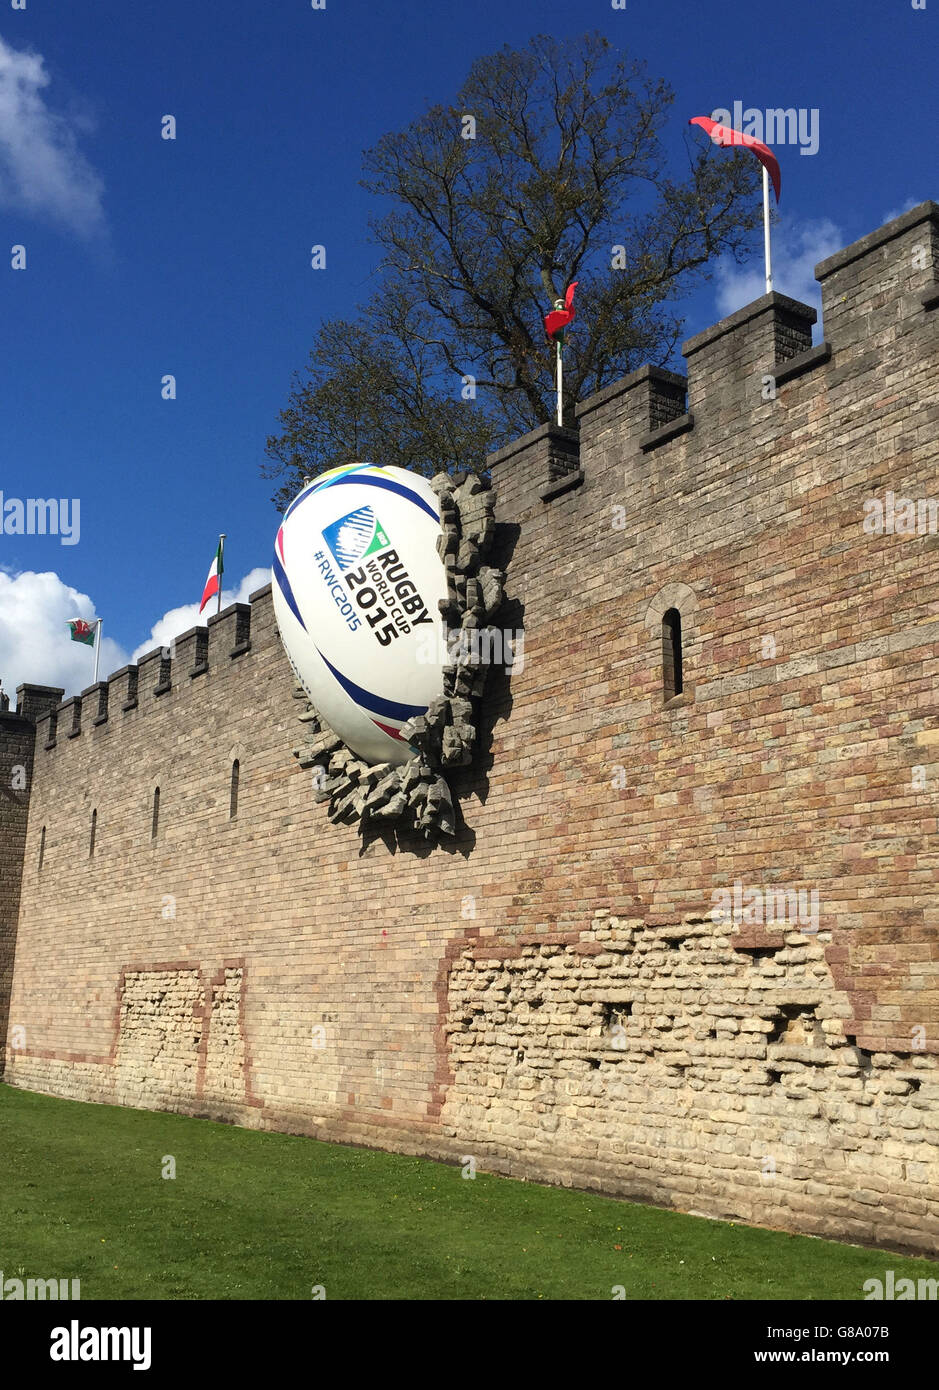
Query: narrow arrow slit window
<point x="672" y="678"/>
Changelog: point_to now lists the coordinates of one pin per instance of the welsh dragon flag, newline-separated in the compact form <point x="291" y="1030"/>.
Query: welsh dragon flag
<point x="214" y="582"/>
<point x="82" y="631"/>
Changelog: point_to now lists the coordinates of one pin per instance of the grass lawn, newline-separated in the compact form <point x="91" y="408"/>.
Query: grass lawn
<point x="268" y="1216"/>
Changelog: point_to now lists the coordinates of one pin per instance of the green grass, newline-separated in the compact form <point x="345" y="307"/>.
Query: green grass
<point x="252" y="1215"/>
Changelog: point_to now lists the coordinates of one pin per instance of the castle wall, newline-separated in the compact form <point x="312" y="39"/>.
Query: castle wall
<point x="17" y="746"/>
<point x="16" y="756"/>
<point x="553" y="992"/>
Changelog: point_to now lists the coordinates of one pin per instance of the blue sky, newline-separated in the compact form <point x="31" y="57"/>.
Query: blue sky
<point x="191" y="257"/>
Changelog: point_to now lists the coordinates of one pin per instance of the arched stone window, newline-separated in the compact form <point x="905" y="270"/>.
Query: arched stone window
<point x="94" y="831"/>
<point x="671" y="622"/>
<point x="233" y="800"/>
<point x="672" y="676"/>
<point x="155" y="823"/>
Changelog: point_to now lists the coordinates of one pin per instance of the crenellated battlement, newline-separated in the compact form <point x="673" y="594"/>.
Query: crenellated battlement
<point x="709" y="446"/>
<point x="136" y="688"/>
<point x="876" y="293"/>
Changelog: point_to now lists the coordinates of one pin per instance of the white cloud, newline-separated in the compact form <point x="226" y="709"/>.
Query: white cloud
<point x="899" y="211"/>
<point x="35" y="645"/>
<point x="797" y="249"/>
<point x="179" y="620"/>
<point x="42" y="170"/>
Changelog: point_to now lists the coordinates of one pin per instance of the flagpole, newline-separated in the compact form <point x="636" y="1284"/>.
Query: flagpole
<point x="560" y="384"/>
<point x="766" y="246"/>
<point x="221" y="568"/>
<point x="97" y="649"/>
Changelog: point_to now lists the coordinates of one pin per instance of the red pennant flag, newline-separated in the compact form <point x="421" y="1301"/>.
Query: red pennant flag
<point x="558" y="319"/>
<point x="727" y="136"/>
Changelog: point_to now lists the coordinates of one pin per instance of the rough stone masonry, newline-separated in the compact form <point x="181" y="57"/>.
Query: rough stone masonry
<point x="552" y="988"/>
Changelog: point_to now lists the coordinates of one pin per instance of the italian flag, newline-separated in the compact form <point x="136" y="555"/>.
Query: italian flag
<point x="214" y="582"/>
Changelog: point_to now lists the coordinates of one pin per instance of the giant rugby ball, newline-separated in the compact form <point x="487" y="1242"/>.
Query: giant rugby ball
<point x="357" y="583"/>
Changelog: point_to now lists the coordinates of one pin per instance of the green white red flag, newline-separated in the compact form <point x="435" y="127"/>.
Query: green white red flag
<point x="213" y="585"/>
<point x="82" y="631"/>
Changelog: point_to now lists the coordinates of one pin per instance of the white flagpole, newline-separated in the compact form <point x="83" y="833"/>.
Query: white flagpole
<point x="221" y="568"/>
<point x="560" y="384"/>
<point x="97" y="649"/>
<point x="766" y="247"/>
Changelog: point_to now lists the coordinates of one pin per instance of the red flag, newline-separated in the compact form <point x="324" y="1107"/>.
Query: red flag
<point x="558" y="319"/>
<point x="726" y="135"/>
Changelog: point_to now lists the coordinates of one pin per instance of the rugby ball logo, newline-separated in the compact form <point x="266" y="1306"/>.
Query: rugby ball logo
<point x="357" y="584"/>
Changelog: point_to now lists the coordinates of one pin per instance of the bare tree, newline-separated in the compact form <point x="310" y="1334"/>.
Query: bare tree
<point x="547" y="168"/>
<point x="370" y="394"/>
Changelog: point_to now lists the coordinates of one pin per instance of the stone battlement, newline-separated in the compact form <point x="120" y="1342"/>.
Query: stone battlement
<point x="875" y="293"/>
<point x="225" y="637"/>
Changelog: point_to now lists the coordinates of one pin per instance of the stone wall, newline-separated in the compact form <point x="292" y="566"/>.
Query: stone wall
<point x="16" y="757"/>
<point x="17" y="744"/>
<point x="655" y="1061"/>
<point x="278" y="970"/>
